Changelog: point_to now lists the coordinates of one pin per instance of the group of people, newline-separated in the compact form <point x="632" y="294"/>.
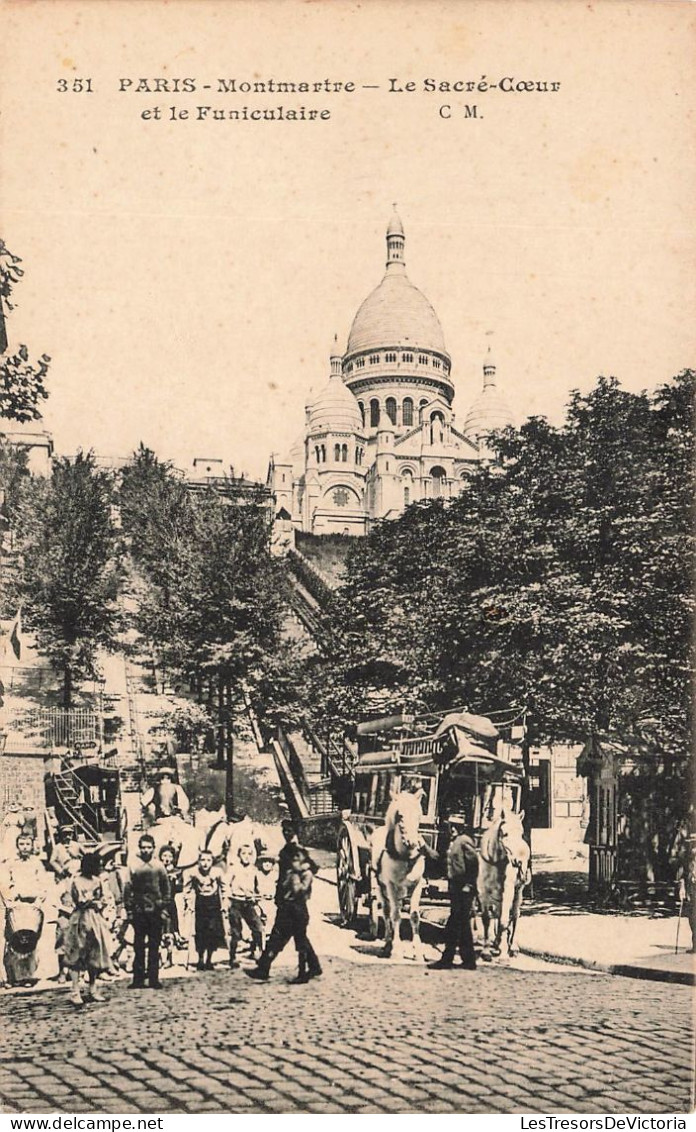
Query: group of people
<point x="102" y="910"/>
<point x="221" y="902"/>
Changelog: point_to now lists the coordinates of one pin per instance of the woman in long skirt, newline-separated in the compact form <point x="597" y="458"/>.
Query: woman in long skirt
<point x="206" y="893"/>
<point x="87" y="943"/>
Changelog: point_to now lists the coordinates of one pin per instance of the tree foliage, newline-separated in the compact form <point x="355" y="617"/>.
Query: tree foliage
<point x="212" y="601"/>
<point x="560" y="580"/>
<point x="14" y="470"/>
<point x="68" y="582"/>
<point x="22" y="381"/>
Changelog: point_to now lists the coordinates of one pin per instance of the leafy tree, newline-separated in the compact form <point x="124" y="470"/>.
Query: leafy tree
<point x="69" y="580"/>
<point x="211" y="599"/>
<point x="13" y="472"/>
<point x="22" y="382"/>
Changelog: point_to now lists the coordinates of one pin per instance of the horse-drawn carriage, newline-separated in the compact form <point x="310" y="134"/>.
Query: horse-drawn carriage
<point x="459" y="782"/>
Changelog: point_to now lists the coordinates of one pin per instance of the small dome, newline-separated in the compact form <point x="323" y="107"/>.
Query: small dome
<point x="335" y="409"/>
<point x="490" y="410"/>
<point x="297" y="455"/>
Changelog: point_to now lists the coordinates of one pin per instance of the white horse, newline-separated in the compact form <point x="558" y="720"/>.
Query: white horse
<point x="504" y="872"/>
<point x="223" y="838"/>
<point x="178" y="833"/>
<point x="398" y="865"/>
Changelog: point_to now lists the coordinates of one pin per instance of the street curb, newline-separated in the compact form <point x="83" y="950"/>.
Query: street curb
<point x="628" y="970"/>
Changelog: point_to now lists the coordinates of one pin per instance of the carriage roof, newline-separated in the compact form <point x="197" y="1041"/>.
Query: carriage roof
<point x="454" y="749"/>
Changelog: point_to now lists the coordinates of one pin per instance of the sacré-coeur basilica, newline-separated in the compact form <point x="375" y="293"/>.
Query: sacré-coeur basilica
<point x="381" y="433"/>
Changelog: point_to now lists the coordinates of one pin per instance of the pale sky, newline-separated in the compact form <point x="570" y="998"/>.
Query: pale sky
<point x="187" y="277"/>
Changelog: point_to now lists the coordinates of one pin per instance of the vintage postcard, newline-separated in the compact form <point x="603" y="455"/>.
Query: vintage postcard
<point x="346" y="465"/>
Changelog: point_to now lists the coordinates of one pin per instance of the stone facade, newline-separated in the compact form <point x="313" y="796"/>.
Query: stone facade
<point x="22" y="782"/>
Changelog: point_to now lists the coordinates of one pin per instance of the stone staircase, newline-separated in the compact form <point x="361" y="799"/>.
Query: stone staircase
<point x="309" y="757"/>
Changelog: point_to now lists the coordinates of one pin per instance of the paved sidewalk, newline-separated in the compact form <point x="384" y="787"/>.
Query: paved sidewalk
<point x="638" y="946"/>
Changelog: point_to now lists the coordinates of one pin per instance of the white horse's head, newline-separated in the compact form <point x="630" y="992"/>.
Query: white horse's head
<point x="511" y="836"/>
<point x="403" y="820"/>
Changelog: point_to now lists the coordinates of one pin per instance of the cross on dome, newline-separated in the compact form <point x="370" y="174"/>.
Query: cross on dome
<point x="488" y="363"/>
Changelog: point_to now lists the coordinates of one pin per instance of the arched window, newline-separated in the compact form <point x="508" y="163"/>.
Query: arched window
<point x="407" y="481"/>
<point x="391" y="409"/>
<point x="316" y="453"/>
<point x="422" y="404"/>
<point x="361" y="406"/>
<point x="323" y="453"/>
<point x="374" y="412"/>
<point x="337" y="452"/>
<point x="344" y="453"/>
<point x="439" y="479"/>
<point x="390" y="357"/>
<point x="407" y="411"/>
<point x="358" y="455"/>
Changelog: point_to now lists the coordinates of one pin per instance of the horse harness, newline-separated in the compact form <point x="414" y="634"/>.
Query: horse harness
<point x="390" y="849"/>
<point x="490" y="861"/>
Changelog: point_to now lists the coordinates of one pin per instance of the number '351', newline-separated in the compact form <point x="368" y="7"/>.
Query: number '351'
<point x="74" y="86"/>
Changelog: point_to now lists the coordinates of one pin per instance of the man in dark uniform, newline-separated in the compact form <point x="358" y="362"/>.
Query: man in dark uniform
<point x="462" y="871"/>
<point x="296" y="870"/>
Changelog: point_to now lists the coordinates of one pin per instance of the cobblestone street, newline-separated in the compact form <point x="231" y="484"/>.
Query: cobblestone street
<point x="367" y="1037"/>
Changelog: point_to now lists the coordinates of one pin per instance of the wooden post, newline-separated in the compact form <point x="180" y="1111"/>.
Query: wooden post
<point x="526" y="798"/>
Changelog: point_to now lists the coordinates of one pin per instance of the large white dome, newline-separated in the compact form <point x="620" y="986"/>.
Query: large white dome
<point x="396" y="314"/>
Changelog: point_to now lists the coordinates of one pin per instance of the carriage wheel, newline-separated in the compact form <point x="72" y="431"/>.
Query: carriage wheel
<point x="345" y="876"/>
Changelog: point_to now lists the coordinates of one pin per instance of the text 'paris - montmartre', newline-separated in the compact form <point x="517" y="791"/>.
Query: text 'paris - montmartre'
<point x="289" y="111"/>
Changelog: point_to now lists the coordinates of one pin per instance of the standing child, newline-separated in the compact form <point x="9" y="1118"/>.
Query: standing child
<point x="242" y="880"/>
<point x="266" y="883"/>
<point x="172" y="934"/>
<point x="206" y="893"/>
<point x="63" y="913"/>
<point x="87" y="944"/>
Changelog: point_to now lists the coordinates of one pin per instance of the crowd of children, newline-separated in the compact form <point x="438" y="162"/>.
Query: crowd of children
<point x="209" y="906"/>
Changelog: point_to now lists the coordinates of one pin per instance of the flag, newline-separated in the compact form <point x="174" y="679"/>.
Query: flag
<point x="16" y="635"/>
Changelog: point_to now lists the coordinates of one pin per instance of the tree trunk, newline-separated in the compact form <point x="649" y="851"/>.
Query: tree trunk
<point x="222" y="725"/>
<point x="67" y="686"/>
